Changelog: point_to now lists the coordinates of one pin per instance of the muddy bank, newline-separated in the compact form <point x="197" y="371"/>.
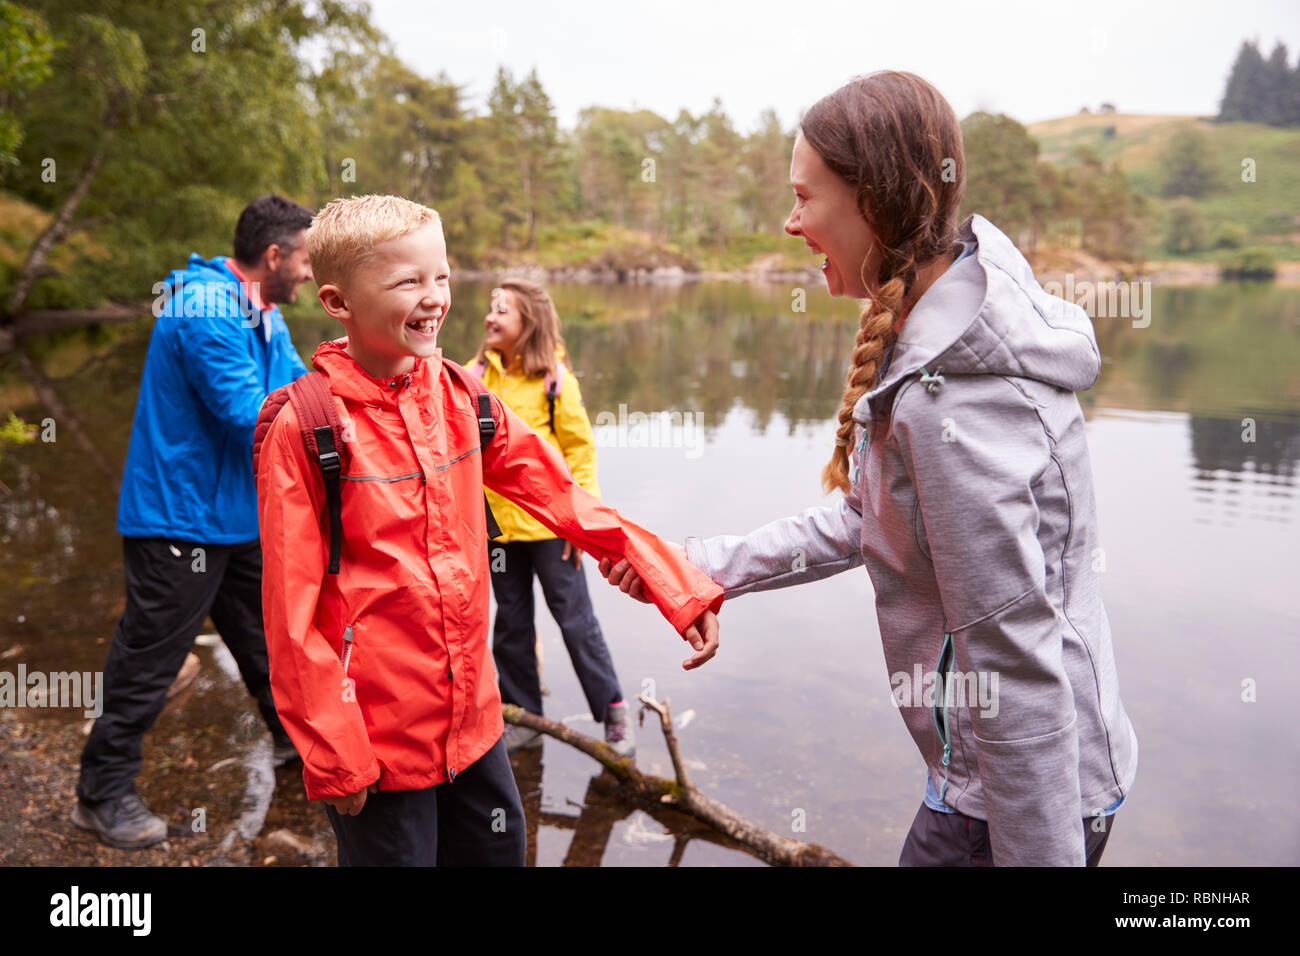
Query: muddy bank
<point x="218" y="813"/>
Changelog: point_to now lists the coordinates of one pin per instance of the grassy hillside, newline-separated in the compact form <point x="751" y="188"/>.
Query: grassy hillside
<point x="1268" y="209"/>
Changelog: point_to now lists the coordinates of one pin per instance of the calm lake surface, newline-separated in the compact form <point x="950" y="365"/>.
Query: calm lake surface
<point x="1194" y="431"/>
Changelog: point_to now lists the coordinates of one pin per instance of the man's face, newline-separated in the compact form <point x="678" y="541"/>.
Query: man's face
<point x="394" y="303"/>
<point x="286" y="271"/>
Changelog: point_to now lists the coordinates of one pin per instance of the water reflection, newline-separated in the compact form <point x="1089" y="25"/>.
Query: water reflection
<point x="1245" y="468"/>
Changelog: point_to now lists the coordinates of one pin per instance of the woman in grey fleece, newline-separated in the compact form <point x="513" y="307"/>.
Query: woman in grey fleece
<point x="967" y="490"/>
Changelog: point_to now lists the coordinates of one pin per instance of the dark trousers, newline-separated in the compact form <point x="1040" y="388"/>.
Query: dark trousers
<point x="514" y="638"/>
<point x="954" y="839"/>
<point x="167" y="600"/>
<point x="476" y="820"/>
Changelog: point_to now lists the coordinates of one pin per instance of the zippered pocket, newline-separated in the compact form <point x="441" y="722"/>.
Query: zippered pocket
<point x="346" y="657"/>
<point x="941" y="681"/>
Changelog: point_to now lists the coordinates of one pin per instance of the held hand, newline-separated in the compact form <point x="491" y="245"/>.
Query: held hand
<point x="351" y="805"/>
<point x="703" y="636"/>
<point x="623" y="577"/>
<point x="577" y="553"/>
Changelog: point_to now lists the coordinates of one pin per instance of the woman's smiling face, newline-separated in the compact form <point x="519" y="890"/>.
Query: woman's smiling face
<point x="827" y="218"/>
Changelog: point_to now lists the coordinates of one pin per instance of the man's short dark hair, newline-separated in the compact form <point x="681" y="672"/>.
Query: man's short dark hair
<point x="269" y="221"/>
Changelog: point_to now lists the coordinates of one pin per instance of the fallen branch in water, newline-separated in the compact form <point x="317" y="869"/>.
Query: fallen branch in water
<point x="680" y="793"/>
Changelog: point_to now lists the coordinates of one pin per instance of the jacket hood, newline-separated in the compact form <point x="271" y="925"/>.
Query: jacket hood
<point x="348" y="379"/>
<point x="987" y="315"/>
<point x="203" y="270"/>
<point x="210" y="276"/>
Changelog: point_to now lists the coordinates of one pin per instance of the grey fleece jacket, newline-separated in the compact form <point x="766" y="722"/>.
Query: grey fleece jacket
<point x="972" y="507"/>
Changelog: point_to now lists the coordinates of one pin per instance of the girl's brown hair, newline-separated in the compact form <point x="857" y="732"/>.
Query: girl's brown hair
<point x="894" y="139"/>
<point x="539" y="338"/>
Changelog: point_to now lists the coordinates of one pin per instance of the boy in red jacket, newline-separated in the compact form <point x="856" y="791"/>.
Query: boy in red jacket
<point x="381" y="672"/>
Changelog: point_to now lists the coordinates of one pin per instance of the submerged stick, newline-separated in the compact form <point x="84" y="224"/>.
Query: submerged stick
<point x="680" y="793"/>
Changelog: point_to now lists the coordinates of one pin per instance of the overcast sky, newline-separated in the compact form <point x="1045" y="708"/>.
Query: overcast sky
<point x="1032" y="60"/>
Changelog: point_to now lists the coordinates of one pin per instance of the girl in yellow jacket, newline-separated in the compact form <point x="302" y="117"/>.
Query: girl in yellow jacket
<point x="522" y="360"/>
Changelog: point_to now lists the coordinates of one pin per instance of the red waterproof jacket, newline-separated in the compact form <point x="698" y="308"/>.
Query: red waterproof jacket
<point x="419" y="702"/>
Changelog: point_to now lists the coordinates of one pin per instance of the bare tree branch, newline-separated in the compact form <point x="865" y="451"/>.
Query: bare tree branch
<point x="680" y="793"/>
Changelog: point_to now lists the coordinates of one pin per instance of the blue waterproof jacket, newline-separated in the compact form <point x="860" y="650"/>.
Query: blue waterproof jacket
<point x="211" y="364"/>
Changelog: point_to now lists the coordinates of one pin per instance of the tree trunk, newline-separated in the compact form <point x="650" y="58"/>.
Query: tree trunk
<point x="58" y="227"/>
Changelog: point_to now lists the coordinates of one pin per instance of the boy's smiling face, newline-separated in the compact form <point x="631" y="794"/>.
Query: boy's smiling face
<point x="394" y="303"/>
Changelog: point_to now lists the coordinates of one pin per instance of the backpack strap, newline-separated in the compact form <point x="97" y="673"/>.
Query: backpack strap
<point x="554" y="382"/>
<point x="270" y="408"/>
<point x="487" y="426"/>
<point x="322" y="437"/>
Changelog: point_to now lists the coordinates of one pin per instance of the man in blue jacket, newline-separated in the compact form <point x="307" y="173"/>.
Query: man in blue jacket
<point x="188" y="505"/>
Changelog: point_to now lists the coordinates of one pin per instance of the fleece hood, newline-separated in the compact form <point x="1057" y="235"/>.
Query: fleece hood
<point x="987" y="315"/>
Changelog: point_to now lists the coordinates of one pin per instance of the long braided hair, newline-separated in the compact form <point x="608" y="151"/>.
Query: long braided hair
<point x="894" y="139"/>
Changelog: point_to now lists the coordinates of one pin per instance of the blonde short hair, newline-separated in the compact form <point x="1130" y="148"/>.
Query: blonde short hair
<point x="343" y="234"/>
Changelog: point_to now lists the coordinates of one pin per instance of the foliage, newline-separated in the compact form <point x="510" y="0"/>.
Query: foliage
<point x="1253" y="263"/>
<point x="1259" y="90"/>
<point x="1186" y="230"/>
<point x="1187" y="165"/>
<point x="25" y="51"/>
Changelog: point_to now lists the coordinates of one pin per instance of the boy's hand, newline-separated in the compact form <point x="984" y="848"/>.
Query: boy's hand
<point x="703" y="636"/>
<point x="577" y="553"/>
<point x="351" y="805"/>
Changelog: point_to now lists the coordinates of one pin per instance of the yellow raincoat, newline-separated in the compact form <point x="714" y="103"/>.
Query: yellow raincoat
<point x="572" y="435"/>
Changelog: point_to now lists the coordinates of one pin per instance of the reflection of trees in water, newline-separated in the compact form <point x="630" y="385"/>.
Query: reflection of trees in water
<point x="702" y="347"/>
<point x="711" y="362"/>
<point x="60" y="554"/>
<point x="1267" y="465"/>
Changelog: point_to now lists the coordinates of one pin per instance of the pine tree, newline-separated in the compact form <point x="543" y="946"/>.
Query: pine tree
<point x="1245" y="93"/>
<point x="1277" y="87"/>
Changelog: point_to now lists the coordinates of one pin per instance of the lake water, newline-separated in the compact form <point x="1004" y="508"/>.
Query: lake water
<point x="1194" y="432"/>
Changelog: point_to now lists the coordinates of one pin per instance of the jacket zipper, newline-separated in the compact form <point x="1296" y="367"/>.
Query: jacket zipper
<point x="862" y="451"/>
<point x="942" y="727"/>
<point x="347" y="648"/>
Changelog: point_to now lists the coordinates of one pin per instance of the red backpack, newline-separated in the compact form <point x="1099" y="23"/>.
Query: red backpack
<point x="322" y="436"/>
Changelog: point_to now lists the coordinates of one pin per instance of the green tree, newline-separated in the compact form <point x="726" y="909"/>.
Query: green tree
<point x="1112" y="218"/>
<point x="1002" y="180"/>
<point x="413" y="133"/>
<point x="526" y="156"/>
<point x="716" y="149"/>
<point x="162" y="122"/>
<point x="1186" y="231"/>
<point x="615" y="182"/>
<point x="1188" y="168"/>
<point x="25" y="51"/>
<point x="764" y="196"/>
<point x="1246" y="91"/>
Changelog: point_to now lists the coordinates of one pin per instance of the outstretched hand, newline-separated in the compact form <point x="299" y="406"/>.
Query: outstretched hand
<point x="702" y="635"/>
